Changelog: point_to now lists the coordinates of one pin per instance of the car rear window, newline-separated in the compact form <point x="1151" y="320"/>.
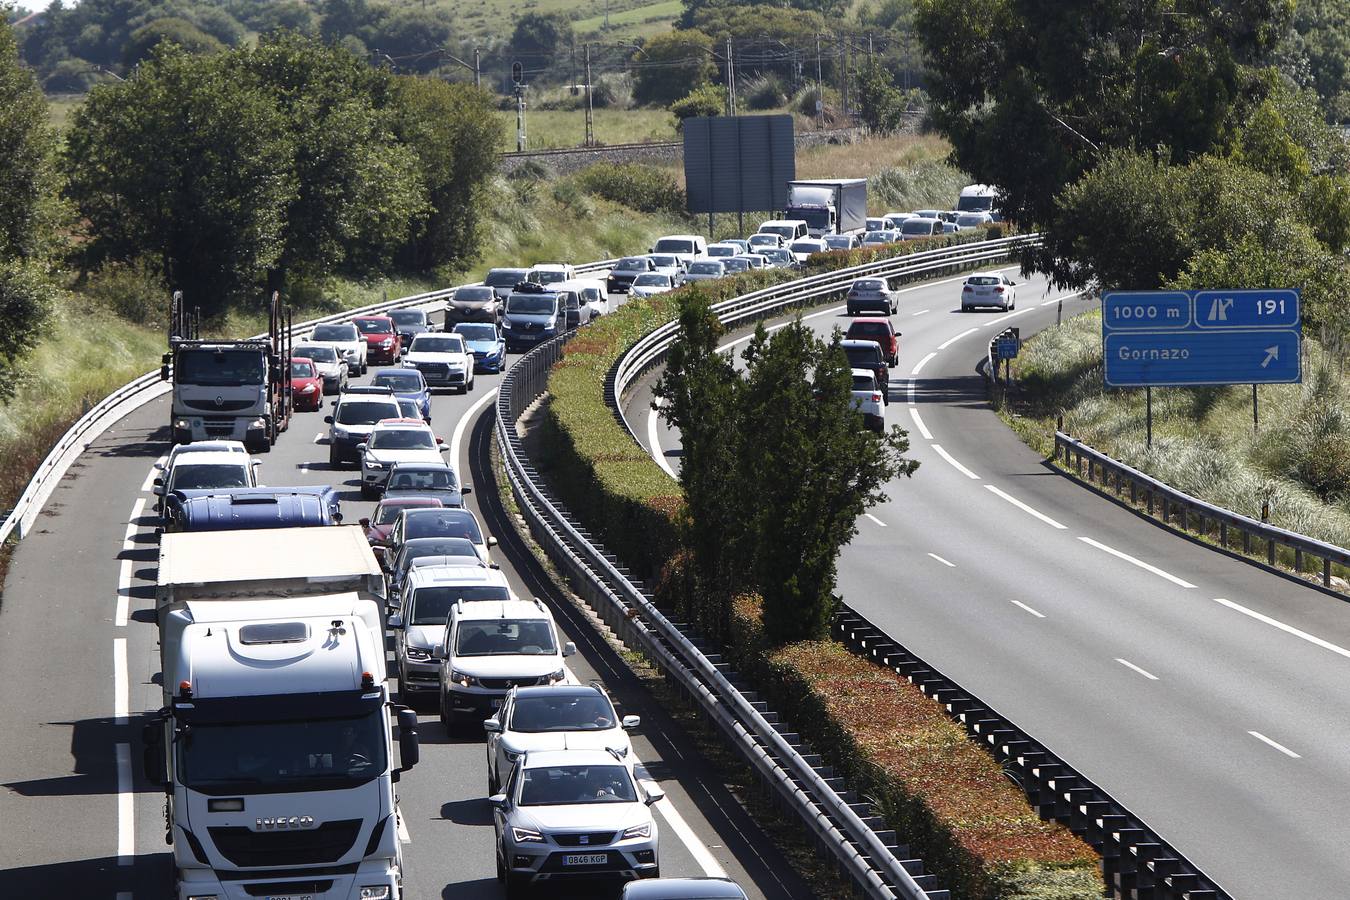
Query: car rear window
<point x="864" y="383"/>
<point x="983" y="279"/>
<point x="871" y="329"/>
<point x="863" y="357"/>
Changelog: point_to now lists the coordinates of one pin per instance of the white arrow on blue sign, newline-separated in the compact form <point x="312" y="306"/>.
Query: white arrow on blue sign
<point x="1181" y="338"/>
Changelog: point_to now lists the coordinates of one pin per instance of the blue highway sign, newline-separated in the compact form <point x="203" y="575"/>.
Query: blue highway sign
<point x="1181" y="338"/>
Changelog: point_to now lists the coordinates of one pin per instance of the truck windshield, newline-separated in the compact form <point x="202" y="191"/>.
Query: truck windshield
<point x="431" y="605"/>
<point x="815" y="217"/>
<point x="219" y="367"/>
<point x="187" y="477"/>
<point x="504" y="637"/>
<point x="975" y="202"/>
<point x="260" y="757"/>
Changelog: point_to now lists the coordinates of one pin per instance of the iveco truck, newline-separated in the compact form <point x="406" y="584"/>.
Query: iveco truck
<point x="232" y="390"/>
<point x="275" y="746"/>
<point x="828" y="205"/>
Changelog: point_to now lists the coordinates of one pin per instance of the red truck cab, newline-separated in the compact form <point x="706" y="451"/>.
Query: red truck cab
<point x="383" y="344"/>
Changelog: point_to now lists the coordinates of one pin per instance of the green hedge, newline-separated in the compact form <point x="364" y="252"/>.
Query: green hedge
<point x="948" y="797"/>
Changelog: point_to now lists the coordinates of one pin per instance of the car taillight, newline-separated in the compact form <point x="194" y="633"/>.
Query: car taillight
<point x="967" y="288"/>
<point x="998" y="290"/>
<point x="876" y="398"/>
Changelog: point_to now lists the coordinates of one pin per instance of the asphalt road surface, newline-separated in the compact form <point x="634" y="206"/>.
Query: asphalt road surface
<point x="1206" y="694"/>
<point x="79" y="657"/>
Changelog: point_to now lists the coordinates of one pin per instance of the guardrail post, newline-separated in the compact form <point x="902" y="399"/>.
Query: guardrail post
<point x="1298" y="560"/>
<point x="1246" y="541"/>
<point x="1270" y="551"/>
<point x="1134" y="492"/>
<point x="1223" y="534"/>
<point x="1326" y="571"/>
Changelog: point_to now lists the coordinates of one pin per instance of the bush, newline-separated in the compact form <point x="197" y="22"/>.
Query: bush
<point x="765" y="92"/>
<point x="948" y="797"/>
<point x="612" y="91"/>
<point x="634" y="185"/>
<point x="70" y="76"/>
<point x="132" y="291"/>
<point x="704" y="101"/>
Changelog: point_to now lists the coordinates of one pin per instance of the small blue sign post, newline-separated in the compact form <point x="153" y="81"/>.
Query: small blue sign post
<point x="1193" y="338"/>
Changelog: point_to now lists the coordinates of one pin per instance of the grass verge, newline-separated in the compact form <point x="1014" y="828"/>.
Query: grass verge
<point x="1204" y="442"/>
<point x="943" y="793"/>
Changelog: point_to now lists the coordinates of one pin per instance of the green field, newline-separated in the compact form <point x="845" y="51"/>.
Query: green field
<point x="496" y="18"/>
<point x="60" y="107"/>
<point x="547" y="128"/>
<point x="655" y="16"/>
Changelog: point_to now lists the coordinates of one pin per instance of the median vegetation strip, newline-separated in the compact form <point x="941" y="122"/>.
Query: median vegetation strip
<point x="942" y="793"/>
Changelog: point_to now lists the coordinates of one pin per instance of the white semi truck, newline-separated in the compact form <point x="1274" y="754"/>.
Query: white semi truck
<point x="828" y="205"/>
<point x="275" y="746"/>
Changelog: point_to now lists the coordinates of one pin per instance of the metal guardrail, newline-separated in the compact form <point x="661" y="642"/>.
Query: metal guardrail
<point x="1186" y="509"/>
<point x="142" y="390"/>
<point x="860" y="850"/>
<point x="650" y="350"/>
<point x="1136" y="862"/>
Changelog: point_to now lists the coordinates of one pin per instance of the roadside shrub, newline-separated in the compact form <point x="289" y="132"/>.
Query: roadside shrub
<point x="131" y="291"/>
<point x="612" y="91"/>
<point x="641" y="187"/>
<point x="765" y="92"/>
<point x="946" y="795"/>
<point x="704" y="101"/>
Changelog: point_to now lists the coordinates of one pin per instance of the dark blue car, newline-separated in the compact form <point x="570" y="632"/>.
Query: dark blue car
<point x="484" y="341"/>
<point x="407" y="384"/>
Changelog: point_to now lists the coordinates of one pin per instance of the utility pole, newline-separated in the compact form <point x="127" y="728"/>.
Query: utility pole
<point x="820" y="94"/>
<point x="731" y="82"/>
<point x="590" y="115"/>
<point x="477" y="69"/>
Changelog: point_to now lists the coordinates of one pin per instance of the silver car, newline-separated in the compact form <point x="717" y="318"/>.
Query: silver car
<point x="574" y="814"/>
<point x="841" y="241"/>
<point x="870" y="294"/>
<point x="701" y="888"/>
<point x="705" y="270"/>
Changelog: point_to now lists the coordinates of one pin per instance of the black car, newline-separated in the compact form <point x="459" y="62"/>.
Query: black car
<point x="868" y="355"/>
<point x="409" y="322"/>
<point x="621" y="276"/>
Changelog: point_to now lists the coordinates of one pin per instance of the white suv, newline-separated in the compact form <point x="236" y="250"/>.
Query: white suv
<point x="491" y="647"/>
<point x="394" y="441"/>
<point x="428" y="594"/>
<point x="869" y="399"/>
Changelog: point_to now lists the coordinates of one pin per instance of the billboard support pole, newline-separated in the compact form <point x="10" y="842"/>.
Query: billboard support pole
<point x="1148" y="417"/>
<point x="1256" y="417"/>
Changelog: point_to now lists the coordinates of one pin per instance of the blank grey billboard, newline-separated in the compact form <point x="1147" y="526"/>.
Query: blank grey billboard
<point x="738" y="163"/>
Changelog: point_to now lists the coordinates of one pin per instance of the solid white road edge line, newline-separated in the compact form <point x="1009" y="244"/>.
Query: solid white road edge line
<point x="875" y="519"/>
<point x="1288" y="629"/>
<point x="149" y="484"/>
<point x="918" y="423"/>
<point x="120" y="681"/>
<point x="1280" y="747"/>
<point x="123" y="594"/>
<point x="947" y="343"/>
<point x="921" y="363"/>
<point x="1022" y="605"/>
<point x="950" y="565"/>
<point x="1024" y="508"/>
<point x="126" y="808"/>
<point x="137" y="510"/>
<point x="1137" y="562"/>
<point x="654" y="440"/>
<point x="458" y="437"/>
<point x="956" y="465"/>
<point x="697" y="848"/>
<point x="1129" y="665"/>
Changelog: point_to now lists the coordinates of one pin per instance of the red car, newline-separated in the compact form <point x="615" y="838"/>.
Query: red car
<point x="306" y="384"/>
<point x="386" y="513"/>
<point x="383" y="344"/>
<point x="878" y="331"/>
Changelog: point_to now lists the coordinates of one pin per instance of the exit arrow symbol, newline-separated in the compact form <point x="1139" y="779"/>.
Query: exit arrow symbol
<point x="1272" y="353"/>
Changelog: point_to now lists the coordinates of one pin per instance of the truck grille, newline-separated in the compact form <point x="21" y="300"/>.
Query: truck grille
<point x="218" y="427"/>
<point x="254" y="849"/>
<point x="223" y="406"/>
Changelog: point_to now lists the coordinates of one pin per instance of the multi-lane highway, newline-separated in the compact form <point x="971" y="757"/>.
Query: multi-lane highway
<point x="1204" y="693"/>
<point x="79" y="660"/>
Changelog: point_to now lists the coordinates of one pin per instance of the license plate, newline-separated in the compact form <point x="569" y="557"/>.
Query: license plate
<point x="289" y="897"/>
<point x="586" y="859"/>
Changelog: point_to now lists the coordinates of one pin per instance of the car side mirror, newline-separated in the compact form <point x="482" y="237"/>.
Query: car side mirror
<point x="255" y="463"/>
<point x="328" y="420"/>
<point x="164" y="372"/>
<point x="498" y="801"/>
<point x="466" y="490"/>
<point x="396" y="620"/>
<point x="361" y="446"/>
<point x="492" y="726"/>
<point x="159" y="467"/>
<point x="438" y="652"/>
<point x="492" y="542"/>
<point x="441" y="446"/>
<point x="159" y="487"/>
<point x="364" y="522"/>
<point x="654" y="794"/>
<point x="630" y="722"/>
<point x="569" y="649"/>
<point x="409" y="754"/>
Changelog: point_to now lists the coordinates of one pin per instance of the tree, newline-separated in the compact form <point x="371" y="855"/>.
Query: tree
<point x="880" y="102"/>
<point x="26" y="146"/>
<point x="542" y="34"/>
<point x="673" y="65"/>
<point x="413" y="36"/>
<point x="1315" y="53"/>
<point x="1030" y="94"/>
<point x="26" y="298"/>
<point x="811" y="468"/>
<point x="454" y="133"/>
<point x="188" y="163"/>
<point x="701" y="393"/>
<point x="168" y="30"/>
<point x="357" y="191"/>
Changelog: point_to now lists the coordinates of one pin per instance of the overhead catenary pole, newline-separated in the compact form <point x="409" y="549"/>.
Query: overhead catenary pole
<point x="477" y="68"/>
<point x="731" y="82"/>
<point x="590" y="114"/>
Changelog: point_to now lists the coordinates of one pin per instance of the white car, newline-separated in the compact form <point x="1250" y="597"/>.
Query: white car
<point x="548" y="273"/>
<point x="720" y="249"/>
<point x="877" y="238"/>
<point x="968" y="221"/>
<point x="989" y="289"/>
<point x="347" y="340"/>
<point x="591" y="291"/>
<point x="869" y="399"/>
<point x="427" y="595"/>
<point x="766" y="240"/>
<point x="352" y="420"/>
<point x="574" y="813"/>
<point x="558" y="717"/>
<point x="649" y="284"/>
<point x="753" y="260"/>
<point x="443" y="359"/>
<point x="841" y="241"/>
<point x="805" y="248"/>
<point x="207" y="465"/>
<point x="491" y="647"/>
<point x="669" y="264"/>
<point x="684" y="247"/>
<point x="394" y="441"/>
<point x="328" y="362"/>
<point x="895" y="219"/>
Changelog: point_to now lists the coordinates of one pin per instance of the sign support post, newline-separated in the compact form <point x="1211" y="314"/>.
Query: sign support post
<point x="1148" y="416"/>
<point x="1256" y="418"/>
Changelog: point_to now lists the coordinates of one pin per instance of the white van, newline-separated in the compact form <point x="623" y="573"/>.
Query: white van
<point x="788" y="229"/>
<point x="687" y="247"/>
<point x="979" y="198"/>
<point x="547" y="273"/>
<point x="592" y="292"/>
